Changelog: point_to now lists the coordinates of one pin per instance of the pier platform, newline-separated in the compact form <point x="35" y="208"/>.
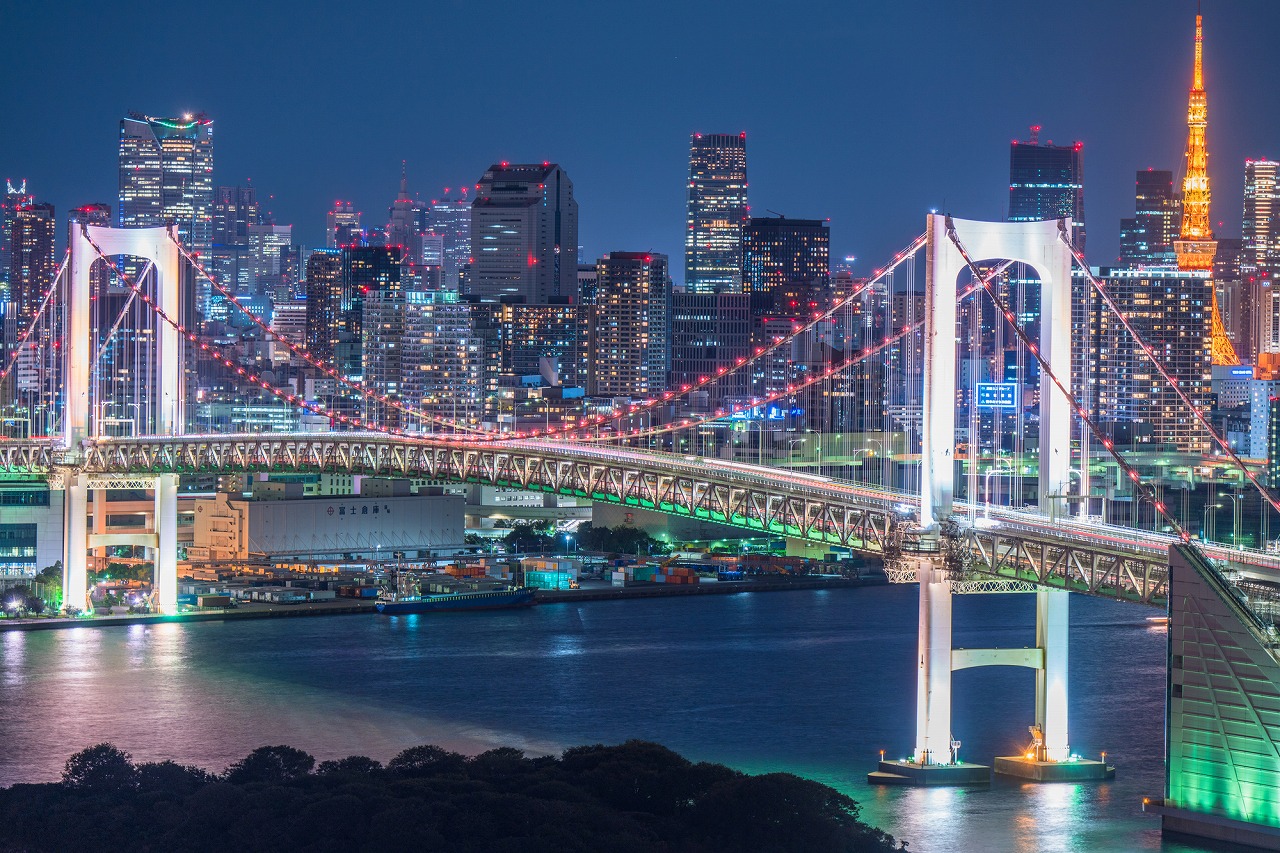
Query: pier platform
<point x="1079" y="770"/>
<point x="929" y="775"/>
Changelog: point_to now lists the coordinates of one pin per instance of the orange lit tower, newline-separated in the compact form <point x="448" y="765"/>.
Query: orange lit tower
<point x="1196" y="247"/>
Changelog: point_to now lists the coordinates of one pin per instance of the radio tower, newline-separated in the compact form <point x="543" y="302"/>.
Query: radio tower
<point x="1196" y="246"/>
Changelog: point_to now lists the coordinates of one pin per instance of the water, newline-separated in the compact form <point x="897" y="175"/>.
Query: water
<point x="814" y="683"/>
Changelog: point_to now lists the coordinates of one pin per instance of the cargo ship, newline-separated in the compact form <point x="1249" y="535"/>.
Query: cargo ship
<point x="415" y="594"/>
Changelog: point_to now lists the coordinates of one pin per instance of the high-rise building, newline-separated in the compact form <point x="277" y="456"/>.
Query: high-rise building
<point x="365" y="270"/>
<point x="342" y="226"/>
<point x="449" y="219"/>
<point x="234" y="210"/>
<point x="14" y="197"/>
<point x="629" y="351"/>
<point x="166" y="175"/>
<point x="324" y="303"/>
<point x="32" y="265"/>
<point x="1149" y="241"/>
<point x="524" y="233"/>
<point x="269" y="259"/>
<point x="443" y="360"/>
<point x="1046" y="181"/>
<point x="788" y="259"/>
<point x="406" y="223"/>
<point x="716" y="214"/>
<point x="1170" y="309"/>
<point x="381" y="353"/>
<point x="1260" y="257"/>
<point x="711" y="331"/>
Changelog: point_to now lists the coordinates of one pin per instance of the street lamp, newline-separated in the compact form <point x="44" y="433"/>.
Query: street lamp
<point x="986" y="484"/>
<point x="1235" y="519"/>
<point x="1204" y="522"/>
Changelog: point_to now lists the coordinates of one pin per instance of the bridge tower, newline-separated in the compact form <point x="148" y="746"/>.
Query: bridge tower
<point x="157" y="245"/>
<point x="1038" y="245"/>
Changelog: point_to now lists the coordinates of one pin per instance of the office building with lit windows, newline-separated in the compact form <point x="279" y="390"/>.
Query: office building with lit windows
<point x="1172" y="311"/>
<point x="166" y="175"/>
<point x="717" y="212"/>
<point x="788" y="259"/>
<point x="324" y="303"/>
<point x="449" y="219"/>
<point x="524" y="234"/>
<point x="342" y="226"/>
<point x="1260" y="257"/>
<point x="1147" y="238"/>
<point x="1046" y="181"/>
<point x="629" y="354"/>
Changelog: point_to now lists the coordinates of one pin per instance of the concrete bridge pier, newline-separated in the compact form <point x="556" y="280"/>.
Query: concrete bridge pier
<point x="162" y="542"/>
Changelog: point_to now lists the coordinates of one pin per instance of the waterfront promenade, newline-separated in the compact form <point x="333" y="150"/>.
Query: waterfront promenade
<point x="591" y="591"/>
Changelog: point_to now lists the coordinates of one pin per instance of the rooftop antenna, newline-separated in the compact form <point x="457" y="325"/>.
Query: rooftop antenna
<point x="1035" y="134"/>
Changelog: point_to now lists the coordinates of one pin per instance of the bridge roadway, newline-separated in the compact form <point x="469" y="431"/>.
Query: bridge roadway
<point x="999" y="546"/>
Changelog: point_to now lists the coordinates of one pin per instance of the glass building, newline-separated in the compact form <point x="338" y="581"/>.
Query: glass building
<point x="1046" y="181"/>
<point x="717" y="213"/>
<point x="166" y="175"/>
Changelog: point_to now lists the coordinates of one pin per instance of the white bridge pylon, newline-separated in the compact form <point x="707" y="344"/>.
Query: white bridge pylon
<point x="156" y="245"/>
<point x="1038" y="245"/>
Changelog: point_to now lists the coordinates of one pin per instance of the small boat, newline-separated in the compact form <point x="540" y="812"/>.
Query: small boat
<point x="392" y="603"/>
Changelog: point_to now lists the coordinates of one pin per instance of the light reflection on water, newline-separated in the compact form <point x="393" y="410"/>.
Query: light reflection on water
<point x="814" y="684"/>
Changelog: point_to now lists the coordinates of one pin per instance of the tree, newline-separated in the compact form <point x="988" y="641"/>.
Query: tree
<point x="271" y="764"/>
<point x="427" y="760"/>
<point x="529" y="538"/>
<point x="100" y="768"/>
<point x="350" y="764"/>
<point x="172" y="778"/>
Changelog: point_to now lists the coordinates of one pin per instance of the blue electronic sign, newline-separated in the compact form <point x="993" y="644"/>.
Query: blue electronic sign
<point x="997" y="395"/>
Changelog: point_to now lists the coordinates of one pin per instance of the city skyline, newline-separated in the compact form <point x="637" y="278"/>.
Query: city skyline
<point x="880" y="140"/>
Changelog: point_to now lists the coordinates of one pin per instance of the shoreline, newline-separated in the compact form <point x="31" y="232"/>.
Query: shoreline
<point x="543" y="596"/>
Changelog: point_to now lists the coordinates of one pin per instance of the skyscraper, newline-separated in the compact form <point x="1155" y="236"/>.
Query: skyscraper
<point x="1155" y="222"/>
<point x="324" y="303"/>
<point x="14" y="198"/>
<point x="629" y="352"/>
<point x="1171" y="311"/>
<point x="32" y="265"/>
<point x="234" y="210"/>
<point x="342" y="225"/>
<point x="166" y="175"/>
<point x="1046" y="181"/>
<point x="788" y="259"/>
<point x="449" y="219"/>
<point x="716" y="213"/>
<point x="524" y="234"/>
<point x="1260" y="258"/>
<point x="406" y="223"/>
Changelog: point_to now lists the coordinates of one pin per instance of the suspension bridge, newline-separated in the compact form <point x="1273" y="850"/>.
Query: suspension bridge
<point x="1224" y="686"/>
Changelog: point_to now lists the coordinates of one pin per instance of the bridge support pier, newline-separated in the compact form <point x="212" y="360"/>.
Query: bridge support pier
<point x="164" y="579"/>
<point x="80" y="488"/>
<point x="75" y="548"/>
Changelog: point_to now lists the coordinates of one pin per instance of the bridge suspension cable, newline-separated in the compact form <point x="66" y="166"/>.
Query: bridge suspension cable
<point x="618" y="412"/>
<point x="317" y="363"/>
<point x="834" y="370"/>
<point x="1169" y="378"/>
<point x="1144" y="489"/>
<point x="35" y="320"/>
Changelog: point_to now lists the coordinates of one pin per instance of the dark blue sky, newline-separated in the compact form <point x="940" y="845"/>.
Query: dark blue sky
<point x="869" y="113"/>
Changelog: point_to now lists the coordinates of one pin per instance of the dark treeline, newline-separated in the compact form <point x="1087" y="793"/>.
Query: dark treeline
<point x="637" y="797"/>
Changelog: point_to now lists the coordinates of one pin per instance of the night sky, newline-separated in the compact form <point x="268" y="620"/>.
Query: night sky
<point x="869" y="113"/>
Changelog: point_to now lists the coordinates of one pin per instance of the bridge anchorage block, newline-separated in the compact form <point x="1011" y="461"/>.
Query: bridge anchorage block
<point x="1035" y="765"/>
<point x="908" y="773"/>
